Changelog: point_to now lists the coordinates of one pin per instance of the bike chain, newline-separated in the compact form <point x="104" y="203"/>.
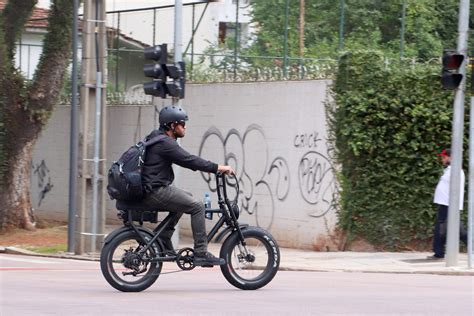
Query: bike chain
<point x="183" y="260"/>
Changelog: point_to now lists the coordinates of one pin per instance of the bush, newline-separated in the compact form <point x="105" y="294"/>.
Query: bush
<point x="388" y="122"/>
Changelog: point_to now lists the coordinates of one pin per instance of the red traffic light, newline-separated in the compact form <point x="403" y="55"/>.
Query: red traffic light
<point x="450" y="76"/>
<point x="452" y="61"/>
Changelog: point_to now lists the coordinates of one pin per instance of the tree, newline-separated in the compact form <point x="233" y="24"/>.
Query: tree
<point x="26" y="105"/>
<point x="430" y="26"/>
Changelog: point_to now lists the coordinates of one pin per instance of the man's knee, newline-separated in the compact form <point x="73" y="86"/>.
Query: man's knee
<point x="197" y="207"/>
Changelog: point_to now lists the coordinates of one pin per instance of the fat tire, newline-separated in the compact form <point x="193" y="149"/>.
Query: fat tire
<point x="273" y="257"/>
<point x="109" y="273"/>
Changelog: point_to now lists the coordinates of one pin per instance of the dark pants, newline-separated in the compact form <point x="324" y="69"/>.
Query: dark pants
<point x="178" y="201"/>
<point x="439" y="240"/>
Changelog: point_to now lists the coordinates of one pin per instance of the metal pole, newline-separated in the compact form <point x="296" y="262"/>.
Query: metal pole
<point x="178" y="56"/>
<point x="402" y="31"/>
<point x="97" y="133"/>
<point x="236" y="38"/>
<point x="95" y="179"/>
<point x="197" y="26"/>
<point x="285" y="57"/>
<point x="73" y="137"/>
<point x="341" y="26"/>
<point x="471" y="185"/>
<point x="154" y="26"/>
<point x="117" y="55"/>
<point x="178" y="18"/>
<point x="192" y="43"/>
<point x="471" y="172"/>
<point x="452" y="244"/>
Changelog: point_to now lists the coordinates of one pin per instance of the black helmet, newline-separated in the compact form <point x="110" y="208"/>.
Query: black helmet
<point x="172" y="114"/>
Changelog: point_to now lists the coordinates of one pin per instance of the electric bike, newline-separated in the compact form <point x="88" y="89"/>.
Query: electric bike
<point x="132" y="256"/>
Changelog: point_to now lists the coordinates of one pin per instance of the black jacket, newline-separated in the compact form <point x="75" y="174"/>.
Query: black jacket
<point x="157" y="170"/>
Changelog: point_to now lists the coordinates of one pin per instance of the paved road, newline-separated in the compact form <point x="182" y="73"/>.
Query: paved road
<point x="50" y="286"/>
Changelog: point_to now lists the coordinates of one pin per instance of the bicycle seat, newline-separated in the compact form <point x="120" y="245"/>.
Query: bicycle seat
<point x="133" y="206"/>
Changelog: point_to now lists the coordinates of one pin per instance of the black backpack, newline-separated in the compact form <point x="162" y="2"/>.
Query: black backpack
<point x="125" y="174"/>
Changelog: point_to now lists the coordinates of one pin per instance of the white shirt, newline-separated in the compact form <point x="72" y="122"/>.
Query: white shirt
<point x="441" y="195"/>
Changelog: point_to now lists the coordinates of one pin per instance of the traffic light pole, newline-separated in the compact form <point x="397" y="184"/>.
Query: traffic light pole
<point x="470" y="205"/>
<point x="452" y="244"/>
<point x="178" y="57"/>
<point x="178" y="42"/>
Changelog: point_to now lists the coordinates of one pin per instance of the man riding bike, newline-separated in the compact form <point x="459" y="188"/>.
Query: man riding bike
<point x="158" y="176"/>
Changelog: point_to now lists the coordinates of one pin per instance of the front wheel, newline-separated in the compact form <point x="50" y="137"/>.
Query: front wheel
<point x="254" y="265"/>
<point x="122" y="265"/>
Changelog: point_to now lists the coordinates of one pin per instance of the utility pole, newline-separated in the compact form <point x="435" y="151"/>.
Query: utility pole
<point x="302" y="13"/>
<point x="91" y="188"/>
<point x="452" y="244"/>
<point x="72" y="207"/>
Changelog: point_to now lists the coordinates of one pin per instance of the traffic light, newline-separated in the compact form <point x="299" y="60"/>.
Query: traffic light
<point x="161" y="71"/>
<point x="450" y="76"/>
<point x="177" y="72"/>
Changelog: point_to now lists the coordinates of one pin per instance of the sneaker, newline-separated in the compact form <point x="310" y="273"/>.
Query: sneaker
<point x="207" y="260"/>
<point x="435" y="257"/>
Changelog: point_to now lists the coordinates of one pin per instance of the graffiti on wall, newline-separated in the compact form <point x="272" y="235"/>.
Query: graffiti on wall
<point x="263" y="180"/>
<point x="316" y="175"/>
<point x="41" y="171"/>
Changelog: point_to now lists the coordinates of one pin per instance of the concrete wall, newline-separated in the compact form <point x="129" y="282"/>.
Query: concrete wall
<point x="274" y="134"/>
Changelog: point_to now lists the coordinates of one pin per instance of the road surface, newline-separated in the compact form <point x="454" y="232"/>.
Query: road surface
<point x="51" y="286"/>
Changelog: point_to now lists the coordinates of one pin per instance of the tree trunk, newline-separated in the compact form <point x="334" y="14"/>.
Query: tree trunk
<point x="16" y="210"/>
<point x="26" y="106"/>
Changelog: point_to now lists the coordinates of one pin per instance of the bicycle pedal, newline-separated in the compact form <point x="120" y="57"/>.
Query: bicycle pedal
<point x="207" y="266"/>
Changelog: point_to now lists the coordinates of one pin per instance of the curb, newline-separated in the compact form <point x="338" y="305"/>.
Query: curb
<point x="294" y="268"/>
<point x="24" y="252"/>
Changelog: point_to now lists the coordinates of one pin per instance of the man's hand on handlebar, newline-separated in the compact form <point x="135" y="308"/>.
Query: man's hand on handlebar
<point x="225" y="169"/>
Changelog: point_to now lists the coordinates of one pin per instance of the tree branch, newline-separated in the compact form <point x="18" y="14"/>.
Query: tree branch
<point x="53" y="62"/>
<point x="15" y="16"/>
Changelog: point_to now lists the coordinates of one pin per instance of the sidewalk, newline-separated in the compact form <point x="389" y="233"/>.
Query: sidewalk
<point x="303" y="260"/>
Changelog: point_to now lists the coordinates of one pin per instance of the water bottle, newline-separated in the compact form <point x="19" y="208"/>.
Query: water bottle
<point x="207" y="206"/>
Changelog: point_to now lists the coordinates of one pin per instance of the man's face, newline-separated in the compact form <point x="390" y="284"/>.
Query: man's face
<point x="180" y="129"/>
<point x="446" y="160"/>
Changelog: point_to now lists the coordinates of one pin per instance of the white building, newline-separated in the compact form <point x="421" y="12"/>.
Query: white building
<point x="146" y="22"/>
<point x="218" y="22"/>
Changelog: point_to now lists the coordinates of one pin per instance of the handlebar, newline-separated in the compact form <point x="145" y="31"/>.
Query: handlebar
<point x="221" y="183"/>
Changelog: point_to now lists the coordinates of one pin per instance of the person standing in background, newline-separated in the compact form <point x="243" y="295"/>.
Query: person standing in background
<point x="441" y="199"/>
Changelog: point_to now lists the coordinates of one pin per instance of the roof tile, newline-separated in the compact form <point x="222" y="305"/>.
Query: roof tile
<point x="39" y="17"/>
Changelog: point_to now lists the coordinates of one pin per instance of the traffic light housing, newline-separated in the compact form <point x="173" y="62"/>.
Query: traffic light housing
<point x="450" y="76"/>
<point x="161" y="71"/>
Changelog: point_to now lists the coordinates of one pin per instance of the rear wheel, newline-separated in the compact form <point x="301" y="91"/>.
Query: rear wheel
<point x="253" y="266"/>
<point x="124" y="268"/>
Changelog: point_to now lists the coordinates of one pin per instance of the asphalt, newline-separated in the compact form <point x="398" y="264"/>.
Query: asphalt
<point x="348" y="261"/>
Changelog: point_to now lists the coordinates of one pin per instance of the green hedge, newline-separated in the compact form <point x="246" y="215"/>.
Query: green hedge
<point x="388" y="123"/>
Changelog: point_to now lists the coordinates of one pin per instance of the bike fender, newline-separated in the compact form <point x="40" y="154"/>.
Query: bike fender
<point x="228" y="230"/>
<point x="122" y="229"/>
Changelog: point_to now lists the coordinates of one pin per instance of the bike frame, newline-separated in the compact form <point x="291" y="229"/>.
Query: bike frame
<point x="229" y="210"/>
